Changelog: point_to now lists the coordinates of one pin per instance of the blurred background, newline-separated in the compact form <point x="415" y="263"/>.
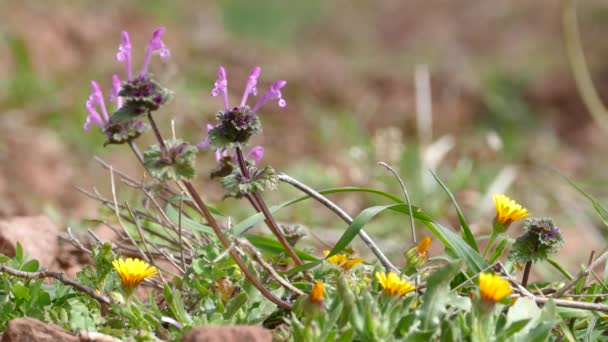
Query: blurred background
<point x="505" y="115"/>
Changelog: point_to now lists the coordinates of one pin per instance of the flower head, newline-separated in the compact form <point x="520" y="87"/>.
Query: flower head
<point x="493" y="288"/>
<point x="316" y="295"/>
<point x="343" y="260"/>
<point x="393" y="285"/>
<point x="507" y="211"/>
<point x="133" y="271"/>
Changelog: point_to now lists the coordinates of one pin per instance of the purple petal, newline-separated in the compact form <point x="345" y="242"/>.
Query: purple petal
<point x="250" y="88"/>
<point x="273" y="93"/>
<point x="93" y="118"/>
<point x="116" y="85"/>
<point x="124" y="52"/>
<point x="220" y="87"/>
<point x="255" y="155"/>
<point x="96" y="98"/>
<point x="156" y="45"/>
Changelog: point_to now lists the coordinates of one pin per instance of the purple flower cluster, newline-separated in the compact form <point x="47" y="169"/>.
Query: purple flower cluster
<point x="96" y="99"/>
<point x="273" y="93"/>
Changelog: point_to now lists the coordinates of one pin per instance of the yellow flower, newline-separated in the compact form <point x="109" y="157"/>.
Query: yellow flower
<point x="133" y="271"/>
<point x="343" y="260"/>
<point x="316" y="296"/>
<point x="507" y="210"/>
<point x="392" y="284"/>
<point x="423" y="246"/>
<point x="493" y="288"/>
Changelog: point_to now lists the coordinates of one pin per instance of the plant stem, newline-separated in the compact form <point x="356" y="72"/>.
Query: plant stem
<point x="524" y="279"/>
<point x="490" y="243"/>
<point x="233" y="253"/>
<point x="202" y="207"/>
<point x="261" y="207"/>
<point x="159" y="137"/>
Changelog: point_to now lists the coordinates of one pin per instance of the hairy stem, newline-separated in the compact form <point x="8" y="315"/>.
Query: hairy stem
<point x="233" y="253"/>
<point x="261" y="206"/>
<point x="159" y="137"/>
<point x="524" y="279"/>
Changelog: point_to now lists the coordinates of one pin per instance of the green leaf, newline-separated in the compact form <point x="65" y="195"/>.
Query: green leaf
<point x="514" y="327"/>
<point x="498" y="250"/>
<point x="30" y="266"/>
<point x="559" y="267"/>
<point x="274" y="247"/>
<point x="4" y="258"/>
<point x="21" y="292"/>
<point x="466" y="233"/>
<point x="436" y="297"/>
<point x="235" y="304"/>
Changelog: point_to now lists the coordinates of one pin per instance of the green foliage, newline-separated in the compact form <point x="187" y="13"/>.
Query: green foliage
<point x="177" y="164"/>
<point x="236" y="185"/>
<point x="540" y="240"/>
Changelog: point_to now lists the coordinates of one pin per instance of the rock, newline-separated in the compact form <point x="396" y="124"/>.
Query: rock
<point x="37" y="235"/>
<point x="228" y="334"/>
<point x="27" y="329"/>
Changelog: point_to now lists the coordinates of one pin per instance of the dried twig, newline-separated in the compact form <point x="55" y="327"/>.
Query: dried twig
<point x="59" y="276"/>
<point x="559" y="302"/>
<point x="580" y="275"/>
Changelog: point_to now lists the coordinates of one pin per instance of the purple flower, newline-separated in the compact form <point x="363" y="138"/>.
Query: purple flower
<point x="156" y="45"/>
<point x="255" y="155"/>
<point x="207" y="142"/>
<point x="116" y="85"/>
<point x="124" y="53"/>
<point x="250" y="88"/>
<point x="273" y="93"/>
<point x="220" y="87"/>
<point x="95" y="99"/>
<point x="219" y="155"/>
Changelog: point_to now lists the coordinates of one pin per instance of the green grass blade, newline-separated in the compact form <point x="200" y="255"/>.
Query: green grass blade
<point x="465" y="231"/>
<point x="187" y="222"/>
<point x="242" y="226"/>
<point x="601" y="211"/>
<point x="273" y="247"/>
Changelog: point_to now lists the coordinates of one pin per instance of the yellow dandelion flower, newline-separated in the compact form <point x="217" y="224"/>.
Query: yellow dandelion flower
<point x="316" y="296"/>
<point x="493" y="288"/>
<point x="343" y="260"/>
<point x="393" y="285"/>
<point x="423" y="246"/>
<point x="133" y="271"/>
<point x="507" y="210"/>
